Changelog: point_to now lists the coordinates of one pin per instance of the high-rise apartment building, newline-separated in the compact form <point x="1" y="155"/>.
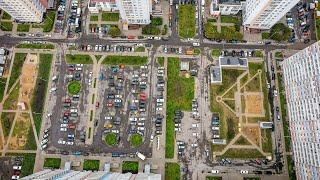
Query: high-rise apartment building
<point x="263" y="14"/>
<point x="25" y="10"/>
<point x="301" y="74"/>
<point x="135" y="11"/>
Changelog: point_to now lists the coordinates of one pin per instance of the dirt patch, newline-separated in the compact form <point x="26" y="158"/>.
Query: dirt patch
<point x="20" y="132"/>
<point x="252" y="133"/>
<point x="254" y="103"/>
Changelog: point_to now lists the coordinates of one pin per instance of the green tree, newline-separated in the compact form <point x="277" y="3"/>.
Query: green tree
<point x="114" y="31"/>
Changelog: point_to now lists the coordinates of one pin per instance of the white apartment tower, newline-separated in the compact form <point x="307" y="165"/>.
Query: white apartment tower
<point x="302" y="83"/>
<point x="135" y="11"/>
<point x="25" y="10"/>
<point x="263" y="14"/>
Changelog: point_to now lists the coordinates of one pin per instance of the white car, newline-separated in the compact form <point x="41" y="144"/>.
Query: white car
<point x="44" y="146"/>
<point x="70" y="143"/>
<point x="61" y="141"/>
<point x="64" y="125"/>
<point x="17" y="167"/>
<point x="70" y="135"/>
<point x="117" y="100"/>
<point x="194" y="145"/>
<point x="44" y="141"/>
<point x="215" y="171"/>
<point x="195" y="134"/>
<point x="151" y="137"/>
<point x="159" y="109"/>
<point x="63" y="129"/>
<point x="244" y="172"/>
<point x="118" y="96"/>
<point x="45" y="136"/>
<point x="115" y="131"/>
<point x="195" y="125"/>
<point x="53" y="90"/>
<point x="15" y="177"/>
<point x="275" y="92"/>
<point x="177" y="129"/>
<point x="196" y="44"/>
<point x="108" y="117"/>
<point x="157" y="38"/>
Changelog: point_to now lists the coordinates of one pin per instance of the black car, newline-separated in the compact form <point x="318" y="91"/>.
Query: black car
<point x="64" y="152"/>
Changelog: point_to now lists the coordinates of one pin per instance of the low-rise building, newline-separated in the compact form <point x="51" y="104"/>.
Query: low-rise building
<point x="226" y="7"/>
<point x="95" y="6"/>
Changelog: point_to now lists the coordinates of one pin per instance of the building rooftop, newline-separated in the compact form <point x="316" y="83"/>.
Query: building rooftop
<point x="236" y="2"/>
<point x="229" y="61"/>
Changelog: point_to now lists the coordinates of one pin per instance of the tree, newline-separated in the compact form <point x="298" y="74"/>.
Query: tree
<point x="280" y="32"/>
<point x="156" y="21"/>
<point x="114" y="31"/>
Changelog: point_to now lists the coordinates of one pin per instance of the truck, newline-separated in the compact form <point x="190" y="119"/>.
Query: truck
<point x="141" y="156"/>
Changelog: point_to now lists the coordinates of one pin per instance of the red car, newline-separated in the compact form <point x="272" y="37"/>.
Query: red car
<point x="97" y="104"/>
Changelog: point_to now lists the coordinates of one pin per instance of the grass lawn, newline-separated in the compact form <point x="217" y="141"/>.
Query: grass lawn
<point x="6" y="122"/>
<point x="172" y="171"/>
<point x="266" y="140"/>
<point x="94" y="18"/>
<point x="6" y="16"/>
<point x="130" y="166"/>
<point x="242" y="141"/>
<point x="111" y="139"/>
<point x="291" y="168"/>
<point x="41" y="86"/>
<point x="251" y="178"/>
<point x="196" y="51"/>
<point x="23" y="27"/>
<point x="74" y="87"/>
<point x="52" y="163"/>
<point x="318" y="28"/>
<point x="265" y="35"/>
<point x="160" y="61"/>
<point x="36" y="46"/>
<point x="98" y="57"/>
<point x="3" y="82"/>
<point x="187" y="21"/>
<point x="91" y="165"/>
<point x="228" y="121"/>
<point x="6" y="26"/>
<point x="48" y="22"/>
<point x="27" y="163"/>
<point x="259" y="54"/>
<point x="213" y="178"/>
<point x="279" y="55"/>
<point x="179" y="97"/>
<point x="229" y="19"/>
<point x="127" y="60"/>
<point x="78" y="59"/>
<point x="136" y="140"/>
<point x="151" y="30"/>
<point x="215" y="52"/>
<point x="242" y="153"/>
<point x="106" y="16"/>
<point x="11" y="102"/>
<point x="140" y="49"/>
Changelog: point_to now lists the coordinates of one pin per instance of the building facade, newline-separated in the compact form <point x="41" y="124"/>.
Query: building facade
<point x="25" y="10"/>
<point x="301" y="74"/>
<point x="135" y="11"/>
<point x="263" y="14"/>
<point x="76" y="175"/>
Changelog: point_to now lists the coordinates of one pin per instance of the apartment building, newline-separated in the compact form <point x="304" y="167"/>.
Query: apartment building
<point x="25" y="10"/>
<point x="135" y="11"/>
<point x="226" y="7"/>
<point x="263" y="14"/>
<point x="95" y="6"/>
<point x="301" y="73"/>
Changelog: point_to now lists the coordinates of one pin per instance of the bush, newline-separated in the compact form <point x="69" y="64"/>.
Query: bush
<point x="172" y="171"/>
<point x="280" y="32"/>
<point x="227" y="33"/>
<point x="78" y="59"/>
<point x="36" y="46"/>
<point x="110" y="139"/>
<point x="91" y="165"/>
<point x="135" y="140"/>
<point x="6" y="16"/>
<point x="74" y="87"/>
<point x="151" y="30"/>
<point x="164" y="30"/>
<point x="114" y="31"/>
<point x="128" y="60"/>
<point x="130" y="166"/>
<point x="94" y="18"/>
<point x="52" y="163"/>
<point x="156" y="21"/>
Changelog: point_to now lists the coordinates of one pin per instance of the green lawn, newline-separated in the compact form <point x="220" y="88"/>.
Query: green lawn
<point x="196" y="51"/>
<point x="151" y="30"/>
<point x="215" y="52"/>
<point x="91" y="165"/>
<point x="6" y="16"/>
<point x="229" y="19"/>
<point x="47" y="24"/>
<point x="40" y="90"/>
<point x="78" y="59"/>
<point x="16" y="68"/>
<point x="242" y="141"/>
<point x="98" y="57"/>
<point x="36" y="46"/>
<point x="172" y="171"/>
<point x="106" y="16"/>
<point x="6" y="26"/>
<point x="279" y="55"/>
<point x="74" y="87"/>
<point x="52" y="163"/>
<point x="23" y="27"/>
<point x="111" y="139"/>
<point x="3" y="82"/>
<point x="291" y="168"/>
<point x="156" y="21"/>
<point x="318" y="28"/>
<point x="227" y="32"/>
<point x="265" y="35"/>
<point x="213" y="178"/>
<point x="130" y="166"/>
<point x="6" y="121"/>
<point x="187" y="21"/>
<point x="11" y="102"/>
<point x="179" y="97"/>
<point x="259" y="54"/>
<point x="266" y="140"/>
<point x="127" y="60"/>
<point x="242" y="153"/>
<point x="136" y="140"/>
<point x="283" y="107"/>
<point x="160" y="61"/>
<point x="94" y="18"/>
<point x="27" y="163"/>
<point x="140" y="49"/>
